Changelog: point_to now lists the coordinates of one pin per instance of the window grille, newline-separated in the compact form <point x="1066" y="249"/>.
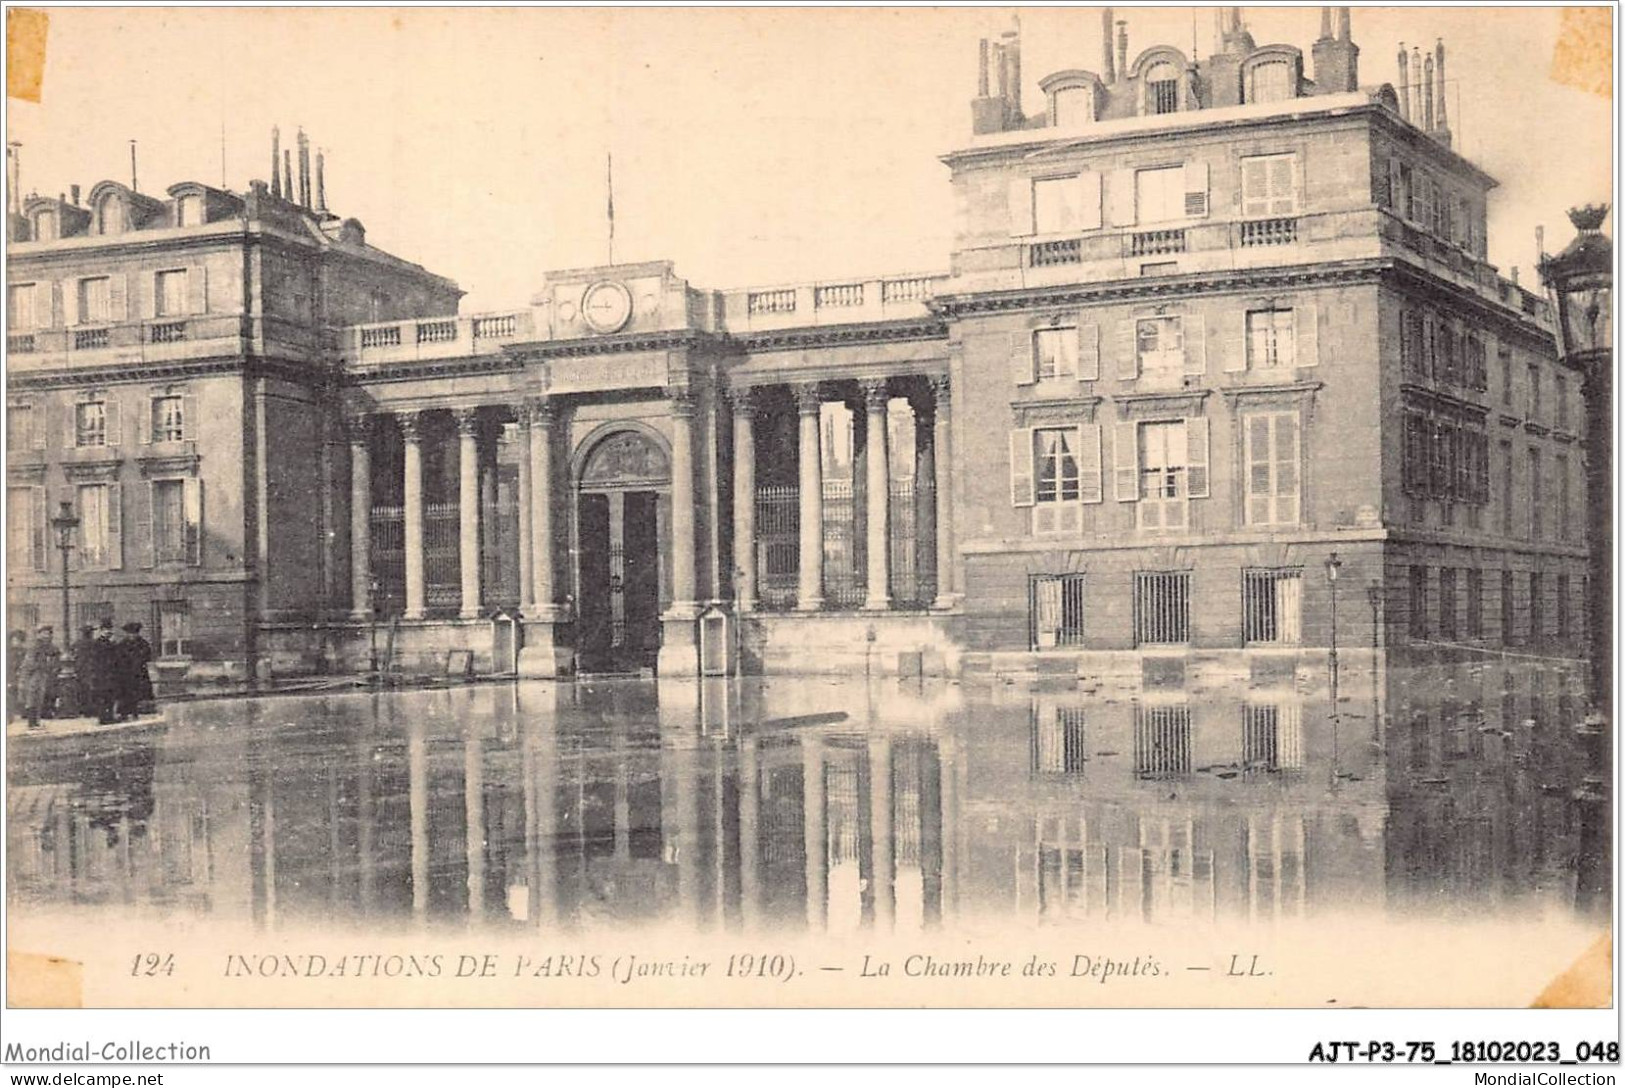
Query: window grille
<point x="1056" y="607"/>
<point x="1272" y="606"/>
<point x="1162" y="740"/>
<point x="1058" y="740"/>
<point x="1271" y="736"/>
<point x="1162" y="608"/>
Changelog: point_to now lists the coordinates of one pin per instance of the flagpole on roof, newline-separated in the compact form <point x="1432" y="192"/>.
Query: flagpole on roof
<point x="609" y="184"/>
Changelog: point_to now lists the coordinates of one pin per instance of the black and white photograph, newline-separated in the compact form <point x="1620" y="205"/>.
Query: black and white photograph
<point x="811" y="508"/>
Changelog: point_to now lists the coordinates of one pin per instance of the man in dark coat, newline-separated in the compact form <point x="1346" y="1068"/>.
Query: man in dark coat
<point x="75" y="697"/>
<point x="135" y="682"/>
<point x="16" y="650"/>
<point x="39" y="676"/>
<point x="101" y="673"/>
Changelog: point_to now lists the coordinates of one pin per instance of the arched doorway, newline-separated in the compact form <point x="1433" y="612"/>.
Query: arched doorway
<point x="622" y="509"/>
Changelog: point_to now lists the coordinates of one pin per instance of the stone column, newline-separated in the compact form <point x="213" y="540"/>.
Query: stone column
<point x="878" y="497"/>
<point x="541" y="656"/>
<point x="810" y="572"/>
<point x="682" y="501"/>
<point x="744" y="500"/>
<point x="412" y="501"/>
<point x="417" y="801"/>
<point x="468" y="508"/>
<point x="947" y="573"/>
<point x="679" y="650"/>
<point x="925" y="510"/>
<point x="360" y="427"/>
<point x="526" y="597"/>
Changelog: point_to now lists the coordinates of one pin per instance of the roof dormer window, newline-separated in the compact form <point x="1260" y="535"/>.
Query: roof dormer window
<point x="189" y="211"/>
<point x="1270" y="82"/>
<point x="110" y="216"/>
<point x="45" y="226"/>
<point x="1074" y="106"/>
<point x="1162" y="89"/>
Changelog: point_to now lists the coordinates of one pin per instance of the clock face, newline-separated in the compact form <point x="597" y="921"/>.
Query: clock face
<point x="607" y="306"/>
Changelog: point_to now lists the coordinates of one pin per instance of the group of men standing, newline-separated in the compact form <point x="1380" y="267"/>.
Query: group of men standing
<point x="110" y="679"/>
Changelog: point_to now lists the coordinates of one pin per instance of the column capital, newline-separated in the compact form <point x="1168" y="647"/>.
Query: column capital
<point x="682" y="402"/>
<point x="537" y="412"/>
<point x="942" y="390"/>
<point x="808" y="397"/>
<point x="876" y="393"/>
<point x="743" y="400"/>
<point x="468" y="421"/>
<point x="359" y="426"/>
<point x="411" y="425"/>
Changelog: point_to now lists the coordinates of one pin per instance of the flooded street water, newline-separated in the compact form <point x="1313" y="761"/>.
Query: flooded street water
<point x="819" y="808"/>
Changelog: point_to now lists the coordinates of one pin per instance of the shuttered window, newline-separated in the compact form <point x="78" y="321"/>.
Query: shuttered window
<point x="1269" y="186"/>
<point x="101" y="545"/>
<point x="95" y="301"/>
<point x="1055" y="353"/>
<point x="1159" y="344"/>
<point x="25" y="528"/>
<point x="90" y="423"/>
<point x="169" y="293"/>
<point x="1056" y="464"/>
<point x="1273" y="456"/>
<point x="1159" y="194"/>
<point x="20" y="307"/>
<point x="1057" y="205"/>
<point x="1271" y="339"/>
<point x="1270" y="82"/>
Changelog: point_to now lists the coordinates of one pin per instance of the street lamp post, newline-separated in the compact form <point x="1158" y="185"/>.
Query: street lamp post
<point x="65" y="524"/>
<point x="1333" y="566"/>
<point x="1582" y="279"/>
<point x="1373" y="593"/>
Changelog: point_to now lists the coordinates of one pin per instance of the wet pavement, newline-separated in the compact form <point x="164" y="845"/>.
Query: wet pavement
<point x="814" y="804"/>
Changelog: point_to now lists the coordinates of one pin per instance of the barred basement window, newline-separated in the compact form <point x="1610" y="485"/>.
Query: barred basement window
<point x="1271" y="736"/>
<point x="1058" y="740"/>
<point x="1056" y="608"/>
<point x="1272" y="606"/>
<point x="1162" y="608"/>
<point x="1162" y="740"/>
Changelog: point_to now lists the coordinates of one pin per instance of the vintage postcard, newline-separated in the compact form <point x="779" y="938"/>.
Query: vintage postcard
<point x="748" y="508"/>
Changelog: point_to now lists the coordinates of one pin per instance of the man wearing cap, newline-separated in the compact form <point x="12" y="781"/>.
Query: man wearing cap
<point x="40" y="667"/>
<point x="134" y="654"/>
<point x="100" y="669"/>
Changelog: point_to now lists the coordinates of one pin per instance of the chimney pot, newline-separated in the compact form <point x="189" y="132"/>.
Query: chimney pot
<point x="1122" y="47"/>
<point x="1404" y="83"/>
<point x="981" y="69"/>
<point x="276" y="161"/>
<point x="73" y="195"/>
<point x="1107" y="69"/>
<point x="1344" y="31"/>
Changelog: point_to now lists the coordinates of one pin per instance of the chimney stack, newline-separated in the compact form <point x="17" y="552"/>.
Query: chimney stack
<point x="1427" y="94"/>
<point x="14" y="177"/>
<point x="1012" y="57"/>
<point x="276" y="162"/>
<point x="1003" y="65"/>
<point x="981" y="69"/>
<point x="1337" y="60"/>
<point x="73" y="195"/>
<point x="1345" y="32"/>
<point x="1416" y="86"/>
<point x="321" y="185"/>
<point x="1441" y="121"/>
<point x="304" y="169"/>
<point x="287" y="174"/>
<point x="1108" y="71"/>
<point x="1404" y="83"/>
<point x="1325" y="24"/>
<point x="1122" y="47"/>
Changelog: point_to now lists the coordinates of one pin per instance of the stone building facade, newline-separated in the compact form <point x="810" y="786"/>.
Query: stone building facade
<point x="1208" y="323"/>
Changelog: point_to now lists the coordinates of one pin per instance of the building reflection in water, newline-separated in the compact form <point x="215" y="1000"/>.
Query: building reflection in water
<point x="838" y="806"/>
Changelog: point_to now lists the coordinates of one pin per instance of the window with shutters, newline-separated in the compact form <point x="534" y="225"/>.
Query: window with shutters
<point x="1272" y="606"/>
<point x="169" y="293"/>
<point x="1507" y="483"/>
<point x="1055" y="465"/>
<point x="90" y="423"/>
<point x="1270" y="82"/>
<point x="20" y="314"/>
<point x="1537" y="607"/>
<point x="96" y="526"/>
<point x="95" y="301"/>
<point x="168" y="418"/>
<point x="1159" y="344"/>
<point x="1475" y="603"/>
<point x="1056" y="608"/>
<point x="25" y="528"/>
<point x="1476" y="370"/>
<point x="1271" y="340"/>
<point x="1560" y="398"/>
<point x="174" y="623"/>
<point x="20" y="432"/>
<point x="1503" y="359"/>
<point x="1164" y="483"/>
<point x="1269" y="186"/>
<point x="1162" y="89"/>
<point x="1560" y="465"/>
<point x="1536" y="528"/>
<point x="110" y="216"/>
<point x="1447" y="603"/>
<point x="1562" y="610"/>
<point x="1055" y="353"/>
<point x="169" y="528"/>
<point x="1159" y="194"/>
<point x="1405" y="197"/>
<point x="1274" y="478"/>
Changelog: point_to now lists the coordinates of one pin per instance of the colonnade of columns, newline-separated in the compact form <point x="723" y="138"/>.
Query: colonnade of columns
<point x="933" y="463"/>
<point x="536" y="419"/>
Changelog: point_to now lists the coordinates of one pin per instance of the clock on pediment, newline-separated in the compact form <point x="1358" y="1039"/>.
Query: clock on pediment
<point x="607" y="306"/>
